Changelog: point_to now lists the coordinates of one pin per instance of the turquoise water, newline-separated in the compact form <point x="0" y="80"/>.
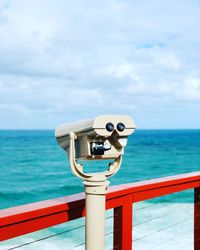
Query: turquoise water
<point x="33" y="167"/>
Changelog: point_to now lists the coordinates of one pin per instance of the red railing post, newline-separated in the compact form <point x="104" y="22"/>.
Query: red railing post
<point x="123" y="225"/>
<point x="197" y="218"/>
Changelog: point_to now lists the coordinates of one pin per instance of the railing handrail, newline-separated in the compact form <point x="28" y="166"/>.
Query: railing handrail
<point x="35" y="216"/>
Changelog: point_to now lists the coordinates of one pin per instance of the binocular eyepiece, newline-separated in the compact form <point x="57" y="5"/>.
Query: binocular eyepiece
<point x="110" y="127"/>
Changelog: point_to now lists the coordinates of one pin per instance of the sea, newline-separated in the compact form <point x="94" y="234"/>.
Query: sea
<point x="34" y="168"/>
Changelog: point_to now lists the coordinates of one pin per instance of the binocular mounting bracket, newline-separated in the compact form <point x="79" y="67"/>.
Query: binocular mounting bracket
<point x="77" y="168"/>
<point x="96" y="185"/>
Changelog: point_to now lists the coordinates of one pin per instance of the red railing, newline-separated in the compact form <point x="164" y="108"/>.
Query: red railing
<point x="40" y="215"/>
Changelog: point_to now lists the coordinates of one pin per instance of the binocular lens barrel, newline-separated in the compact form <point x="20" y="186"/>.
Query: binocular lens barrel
<point x="109" y="127"/>
<point x="120" y="127"/>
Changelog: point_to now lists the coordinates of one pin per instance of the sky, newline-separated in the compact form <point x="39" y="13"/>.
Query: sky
<point x="62" y="61"/>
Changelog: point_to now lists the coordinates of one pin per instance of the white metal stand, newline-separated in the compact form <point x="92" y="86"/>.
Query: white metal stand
<point x="96" y="185"/>
<point x="95" y="189"/>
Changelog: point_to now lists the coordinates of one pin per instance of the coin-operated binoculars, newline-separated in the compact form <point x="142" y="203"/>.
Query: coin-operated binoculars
<point x="101" y="138"/>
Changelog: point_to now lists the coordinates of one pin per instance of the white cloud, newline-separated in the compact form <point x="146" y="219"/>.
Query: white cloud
<point x="168" y="60"/>
<point x="146" y="89"/>
<point x="137" y="88"/>
<point x="191" y="89"/>
<point x="77" y="59"/>
<point x="120" y="71"/>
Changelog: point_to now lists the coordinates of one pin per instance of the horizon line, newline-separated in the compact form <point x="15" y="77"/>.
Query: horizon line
<point x="20" y="129"/>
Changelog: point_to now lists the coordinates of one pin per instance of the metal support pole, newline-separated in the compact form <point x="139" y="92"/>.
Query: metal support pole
<point x="95" y="189"/>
